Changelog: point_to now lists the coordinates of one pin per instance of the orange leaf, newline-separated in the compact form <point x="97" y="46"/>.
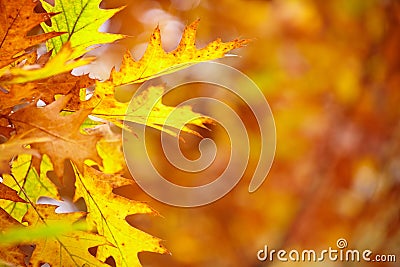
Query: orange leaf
<point x="10" y="255"/>
<point x="17" y="19"/>
<point x="9" y="194"/>
<point x="44" y="89"/>
<point x="16" y="94"/>
<point x="64" y="132"/>
<point x="15" y="146"/>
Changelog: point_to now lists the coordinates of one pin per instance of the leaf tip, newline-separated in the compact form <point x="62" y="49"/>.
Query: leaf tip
<point x="194" y="24"/>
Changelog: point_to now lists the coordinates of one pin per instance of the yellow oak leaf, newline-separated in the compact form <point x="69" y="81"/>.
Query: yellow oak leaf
<point x="156" y="62"/>
<point x="147" y="109"/>
<point x="29" y="184"/>
<point x="68" y="249"/>
<point x="109" y="148"/>
<point x="107" y="214"/>
<point x="66" y="140"/>
<point x="62" y="62"/>
<point x="111" y="154"/>
<point x="9" y="255"/>
<point x="17" y="18"/>
<point x="81" y="21"/>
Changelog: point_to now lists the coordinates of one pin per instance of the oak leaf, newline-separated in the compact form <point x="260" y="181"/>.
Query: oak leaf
<point x="62" y="62"/>
<point x="17" y="18"/>
<point x="10" y="255"/>
<point x="9" y="194"/>
<point x="29" y="184"/>
<point x="69" y="249"/>
<point x="148" y="109"/>
<point x="5" y="129"/>
<point x="16" y="94"/>
<point x="17" y="145"/>
<point x="66" y="140"/>
<point x="109" y="148"/>
<point x="81" y="21"/>
<point x="62" y="84"/>
<point x="156" y="62"/>
<point x="111" y="154"/>
<point x="107" y="214"/>
<point x="44" y="89"/>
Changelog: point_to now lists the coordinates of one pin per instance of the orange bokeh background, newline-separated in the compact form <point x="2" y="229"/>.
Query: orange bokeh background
<point x="330" y="72"/>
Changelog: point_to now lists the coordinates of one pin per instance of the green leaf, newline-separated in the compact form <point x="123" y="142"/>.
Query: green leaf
<point x="80" y="20"/>
<point x="18" y="235"/>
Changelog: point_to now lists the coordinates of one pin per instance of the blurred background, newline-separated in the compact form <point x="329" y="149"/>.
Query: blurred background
<point x="330" y="71"/>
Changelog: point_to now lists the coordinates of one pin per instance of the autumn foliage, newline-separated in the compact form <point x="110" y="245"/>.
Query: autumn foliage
<point x="50" y="127"/>
<point x="329" y="70"/>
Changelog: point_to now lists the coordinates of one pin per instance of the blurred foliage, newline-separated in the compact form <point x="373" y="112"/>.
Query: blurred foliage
<point x="330" y="71"/>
